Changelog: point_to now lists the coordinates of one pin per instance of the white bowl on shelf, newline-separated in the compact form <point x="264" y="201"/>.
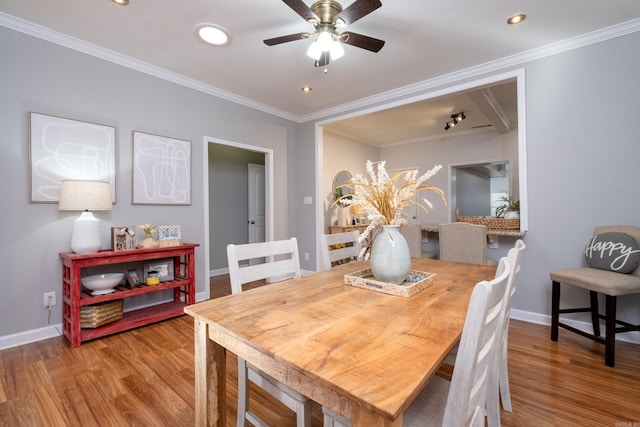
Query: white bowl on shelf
<point x="102" y="284"/>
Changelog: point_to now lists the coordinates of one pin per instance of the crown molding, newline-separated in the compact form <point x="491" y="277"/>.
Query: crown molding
<point x="49" y="35"/>
<point x="498" y="65"/>
<point x="64" y="40"/>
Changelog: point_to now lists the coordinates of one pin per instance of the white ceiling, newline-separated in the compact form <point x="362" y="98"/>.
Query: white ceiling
<point x="424" y="40"/>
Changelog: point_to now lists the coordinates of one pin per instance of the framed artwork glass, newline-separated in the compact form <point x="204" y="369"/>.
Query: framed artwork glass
<point x="62" y="149"/>
<point x="161" y="170"/>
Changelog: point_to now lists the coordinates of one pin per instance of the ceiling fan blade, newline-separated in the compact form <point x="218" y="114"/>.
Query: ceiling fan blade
<point x="301" y="9"/>
<point x="357" y="10"/>
<point x="364" y="42"/>
<point x="284" y="39"/>
<point x="324" y="59"/>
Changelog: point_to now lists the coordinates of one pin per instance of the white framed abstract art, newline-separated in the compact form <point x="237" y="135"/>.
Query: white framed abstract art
<point x="161" y="170"/>
<point x="65" y="149"/>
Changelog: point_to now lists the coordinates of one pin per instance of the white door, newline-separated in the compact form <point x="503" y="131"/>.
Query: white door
<point x="256" y="214"/>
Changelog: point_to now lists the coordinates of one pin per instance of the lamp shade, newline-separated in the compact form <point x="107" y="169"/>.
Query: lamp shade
<point x="85" y="195"/>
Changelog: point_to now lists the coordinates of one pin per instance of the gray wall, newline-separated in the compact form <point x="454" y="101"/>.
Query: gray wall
<point x="228" y="199"/>
<point x="43" y="77"/>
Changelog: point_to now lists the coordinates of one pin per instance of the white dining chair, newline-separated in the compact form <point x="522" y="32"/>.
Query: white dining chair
<point x="276" y="260"/>
<point x="462" y="401"/>
<point x="340" y="248"/>
<point x="464" y="242"/>
<point x="499" y="382"/>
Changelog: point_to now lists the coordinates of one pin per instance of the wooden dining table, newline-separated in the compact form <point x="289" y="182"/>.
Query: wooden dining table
<point x="362" y="353"/>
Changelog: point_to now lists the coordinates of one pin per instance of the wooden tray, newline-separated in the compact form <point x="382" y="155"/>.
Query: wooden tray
<point x="364" y="279"/>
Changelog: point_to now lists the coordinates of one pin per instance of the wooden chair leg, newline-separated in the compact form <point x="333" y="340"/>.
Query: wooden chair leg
<point x="555" y="310"/>
<point x="610" y="338"/>
<point x="595" y="314"/>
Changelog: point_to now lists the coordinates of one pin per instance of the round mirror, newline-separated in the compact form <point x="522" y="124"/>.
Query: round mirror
<point x="341" y="178"/>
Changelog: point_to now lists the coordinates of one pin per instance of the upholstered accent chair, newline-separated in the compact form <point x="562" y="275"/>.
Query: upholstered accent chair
<point x="413" y="234"/>
<point x="612" y="256"/>
<point x="464" y="242"/>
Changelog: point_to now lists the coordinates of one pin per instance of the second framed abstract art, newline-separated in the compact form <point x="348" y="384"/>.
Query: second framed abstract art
<point x="161" y="170"/>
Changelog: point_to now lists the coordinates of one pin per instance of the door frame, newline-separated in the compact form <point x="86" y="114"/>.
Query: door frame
<point x="268" y="195"/>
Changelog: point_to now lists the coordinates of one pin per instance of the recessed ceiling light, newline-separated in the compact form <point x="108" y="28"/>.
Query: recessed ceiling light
<point x="516" y="19"/>
<point x="307" y="89"/>
<point x="212" y="34"/>
<point x="121" y="2"/>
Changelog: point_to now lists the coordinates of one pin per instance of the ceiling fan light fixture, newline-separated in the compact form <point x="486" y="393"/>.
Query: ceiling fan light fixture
<point x="121" y="2"/>
<point x="212" y="34"/>
<point x="325" y="40"/>
<point x="314" y="51"/>
<point x="336" y="51"/>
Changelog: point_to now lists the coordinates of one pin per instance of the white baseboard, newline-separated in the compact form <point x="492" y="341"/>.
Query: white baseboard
<point x="218" y="272"/>
<point x="545" y="319"/>
<point x="27" y="337"/>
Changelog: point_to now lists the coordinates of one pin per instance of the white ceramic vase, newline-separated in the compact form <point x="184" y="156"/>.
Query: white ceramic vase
<point x="390" y="256"/>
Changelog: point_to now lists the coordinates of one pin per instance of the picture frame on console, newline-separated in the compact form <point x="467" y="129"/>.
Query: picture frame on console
<point x="164" y="267"/>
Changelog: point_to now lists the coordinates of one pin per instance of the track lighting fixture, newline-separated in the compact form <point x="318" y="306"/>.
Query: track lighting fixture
<point x="455" y="119"/>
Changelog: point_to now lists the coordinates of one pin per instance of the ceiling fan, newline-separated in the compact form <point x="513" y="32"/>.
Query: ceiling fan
<point x="327" y="16"/>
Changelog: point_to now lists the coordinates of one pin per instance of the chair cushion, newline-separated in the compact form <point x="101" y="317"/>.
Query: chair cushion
<point x="602" y="281"/>
<point x="613" y="251"/>
<point x="428" y="407"/>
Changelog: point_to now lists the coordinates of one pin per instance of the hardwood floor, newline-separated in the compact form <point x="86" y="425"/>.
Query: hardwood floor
<point x="145" y="377"/>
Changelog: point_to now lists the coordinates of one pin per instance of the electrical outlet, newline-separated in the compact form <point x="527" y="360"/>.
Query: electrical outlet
<point x="49" y="299"/>
<point x="306" y="256"/>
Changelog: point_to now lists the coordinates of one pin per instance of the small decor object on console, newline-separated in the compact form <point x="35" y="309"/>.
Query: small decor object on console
<point x="101" y="284"/>
<point x="96" y="315"/>
<point x="162" y="267"/>
<point x="148" y="242"/>
<point x="133" y="277"/>
<point x="123" y="238"/>
<point x="169" y="235"/>
<point x="153" y="278"/>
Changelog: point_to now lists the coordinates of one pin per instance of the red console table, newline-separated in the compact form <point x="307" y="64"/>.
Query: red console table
<point x="75" y="297"/>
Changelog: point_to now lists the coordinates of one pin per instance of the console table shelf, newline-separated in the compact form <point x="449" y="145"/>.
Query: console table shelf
<point x="74" y="296"/>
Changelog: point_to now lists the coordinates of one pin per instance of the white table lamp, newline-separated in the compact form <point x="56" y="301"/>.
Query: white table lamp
<point x="85" y="196"/>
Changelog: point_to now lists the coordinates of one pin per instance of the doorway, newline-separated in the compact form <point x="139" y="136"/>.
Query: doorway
<point x="227" y="199"/>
